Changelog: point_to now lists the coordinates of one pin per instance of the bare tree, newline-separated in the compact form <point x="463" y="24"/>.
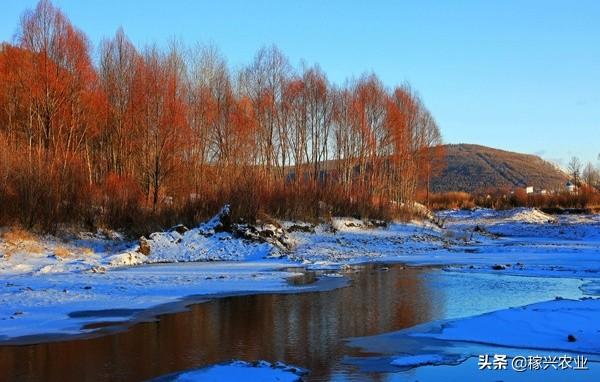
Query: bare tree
<point x="590" y="175"/>
<point x="117" y="72"/>
<point x="574" y="168"/>
<point x="164" y="123"/>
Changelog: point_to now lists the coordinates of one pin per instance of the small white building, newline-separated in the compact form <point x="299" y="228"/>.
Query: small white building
<point x="529" y="190"/>
<point x="570" y="186"/>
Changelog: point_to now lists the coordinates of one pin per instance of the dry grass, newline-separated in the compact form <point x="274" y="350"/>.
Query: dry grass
<point x="16" y="235"/>
<point x="16" y="240"/>
<point x="62" y="252"/>
<point x="451" y="200"/>
<point x="267" y="219"/>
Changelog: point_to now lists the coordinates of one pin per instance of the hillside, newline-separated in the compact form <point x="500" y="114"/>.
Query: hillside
<point x="474" y="168"/>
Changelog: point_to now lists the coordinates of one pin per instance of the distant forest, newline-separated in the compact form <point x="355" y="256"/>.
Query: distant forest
<point x="140" y="138"/>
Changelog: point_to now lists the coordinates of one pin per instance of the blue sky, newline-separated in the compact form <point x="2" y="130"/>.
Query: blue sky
<point x="521" y="75"/>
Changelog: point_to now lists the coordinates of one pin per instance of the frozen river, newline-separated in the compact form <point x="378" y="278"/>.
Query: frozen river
<point x="304" y="329"/>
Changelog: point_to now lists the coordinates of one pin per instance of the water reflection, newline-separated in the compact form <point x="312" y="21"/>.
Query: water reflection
<point x="303" y="329"/>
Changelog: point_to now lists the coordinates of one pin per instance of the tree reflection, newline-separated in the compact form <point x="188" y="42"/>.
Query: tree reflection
<point x="303" y="329"/>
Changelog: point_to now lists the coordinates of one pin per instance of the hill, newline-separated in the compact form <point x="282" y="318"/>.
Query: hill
<point x="474" y="168"/>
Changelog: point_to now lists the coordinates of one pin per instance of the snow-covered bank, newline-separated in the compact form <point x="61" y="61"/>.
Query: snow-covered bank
<point x="216" y="240"/>
<point x="418" y="360"/>
<point x="520" y="242"/>
<point x="260" y="371"/>
<point x="568" y="325"/>
<point x="54" y="304"/>
<point x="44" y="279"/>
<point x="350" y="242"/>
<point x="564" y="327"/>
<point x="23" y="252"/>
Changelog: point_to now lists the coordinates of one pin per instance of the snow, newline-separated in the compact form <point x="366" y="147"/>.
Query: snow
<point x="204" y="243"/>
<point x="44" y="279"/>
<point x="528" y="240"/>
<point x="529" y="215"/>
<point x="490" y="216"/>
<point x="97" y="252"/>
<point x="125" y="259"/>
<point x="523" y="242"/>
<point x="544" y="325"/>
<point x="542" y="328"/>
<point x="34" y="304"/>
<point x="23" y="252"/>
<point x="417" y="360"/>
<point x="194" y="245"/>
<point x="519" y="242"/>
<point x="261" y="371"/>
<point x="351" y="242"/>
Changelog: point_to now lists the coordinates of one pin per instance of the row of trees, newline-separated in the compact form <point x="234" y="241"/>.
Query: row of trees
<point x="176" y="133"/>
<point x="586" y="176"/>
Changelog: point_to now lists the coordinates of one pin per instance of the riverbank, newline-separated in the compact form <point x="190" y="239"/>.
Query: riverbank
<point x="105" y="272"/>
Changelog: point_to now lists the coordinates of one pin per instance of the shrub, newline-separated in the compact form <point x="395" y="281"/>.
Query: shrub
<point x="451" y="200"/>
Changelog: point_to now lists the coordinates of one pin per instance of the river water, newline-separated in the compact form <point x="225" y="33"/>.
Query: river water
<point x="304" y="329"/>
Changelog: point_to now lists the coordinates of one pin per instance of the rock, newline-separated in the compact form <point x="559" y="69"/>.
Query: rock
<point x="571" y="338"/>
<point x="144" y="248"/>
<point x="267" y="233"/>
<point x="224" y="223"/>
<point x="478" y="229"/>
<point x="264" y="233"/>
<point x="378" y="223"/>
<point x="330" y="228"/>
<point x="221" y="222"/>
<point x="301" y="228"/>
<point x="98" y="269"/>
<point x="180" y="229"/>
